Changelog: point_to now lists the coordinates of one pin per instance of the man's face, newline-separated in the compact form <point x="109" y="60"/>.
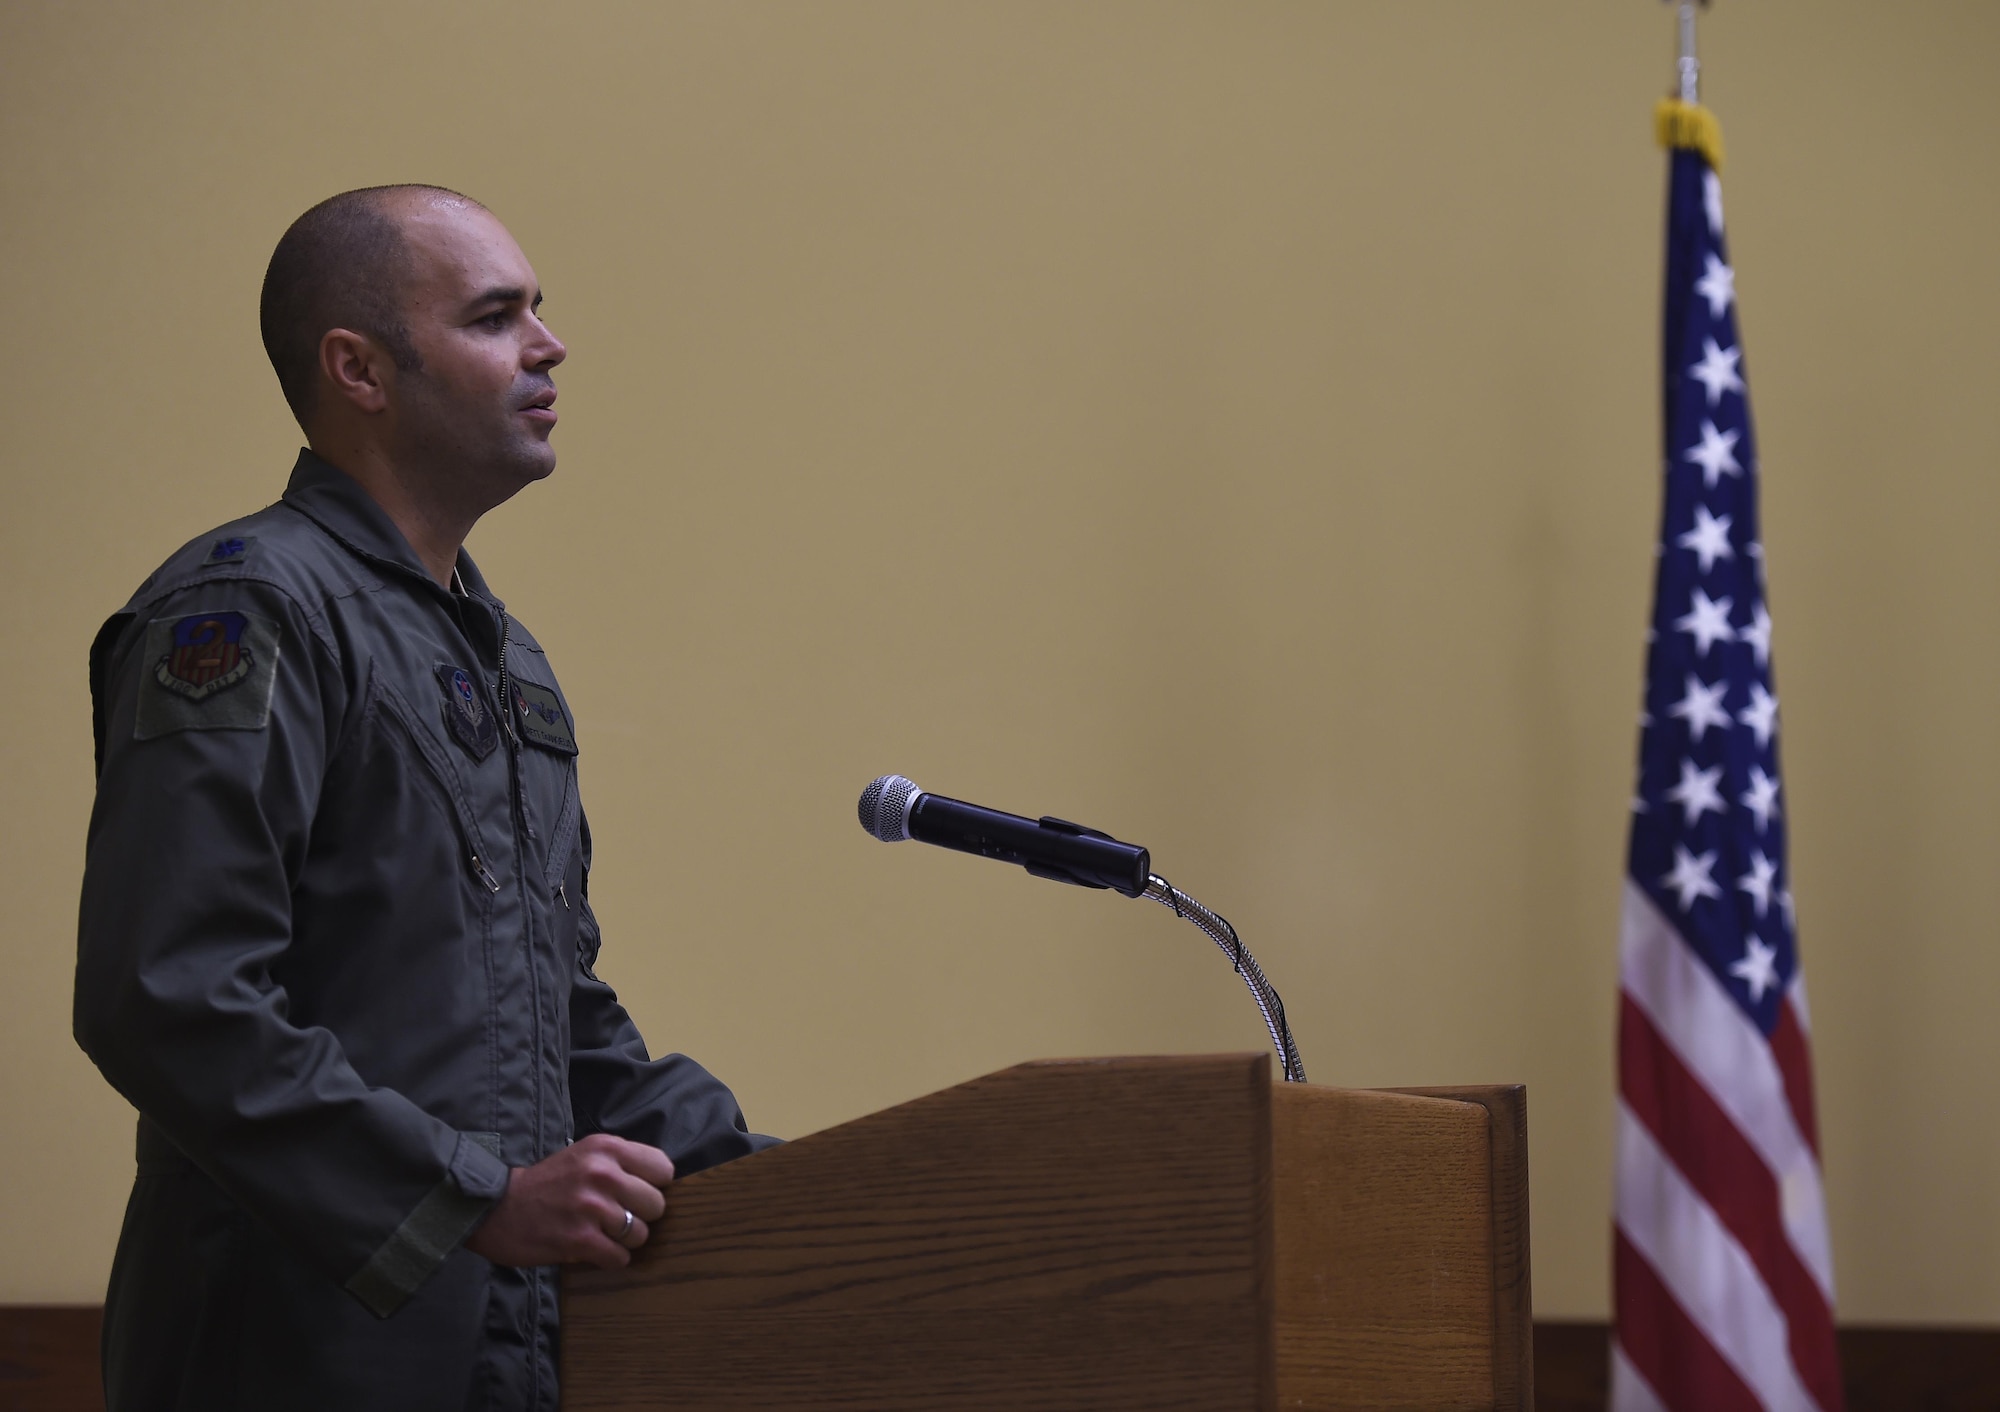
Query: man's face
<point x="481" y="408"/>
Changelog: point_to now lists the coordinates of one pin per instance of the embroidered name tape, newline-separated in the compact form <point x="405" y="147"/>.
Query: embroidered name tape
<point x="540" y="718"/>
<point x="207" y="671"/>
<point x="466" y="714"/>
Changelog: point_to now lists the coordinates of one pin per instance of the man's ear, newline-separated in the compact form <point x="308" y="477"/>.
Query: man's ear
<point x="356" y="368"/>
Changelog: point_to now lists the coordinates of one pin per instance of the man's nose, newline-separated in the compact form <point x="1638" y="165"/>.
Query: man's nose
<point x="545" y="350"/>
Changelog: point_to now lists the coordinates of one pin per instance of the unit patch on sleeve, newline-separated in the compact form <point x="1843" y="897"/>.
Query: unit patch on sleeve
<point x="207" y="671"/>
<point x="539" y="715"/>
<point x="466" y="713"/>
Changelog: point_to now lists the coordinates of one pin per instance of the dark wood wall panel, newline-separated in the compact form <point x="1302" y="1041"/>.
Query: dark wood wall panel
<point x="1887" y="1369"/>
<point x="48" y="1363"/>
<point x="1921" y="1370"/>
<point x="1572" y="1367"/>
<point x="48" y="1358"/>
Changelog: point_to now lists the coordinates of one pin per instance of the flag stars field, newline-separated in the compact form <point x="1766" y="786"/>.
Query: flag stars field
<point x="1702" y="707"/>
<point x="1718" y="282"/>
<point x="1691" y="877"/>
<point x="1707" y="621"/>
<point x="1758" y="634"/>
<point x="1709" y="539"/>
<point x="1757" y="883"/>
<point x="1716" y="371"/>
<point x="1716" y="455"/>
<point x="1761" y="799"/>
<point x="1699" y="791"/>
<point x="1711" y="205"/>
<point x="1761" y="715"/>
<point x="1758" y="969"/>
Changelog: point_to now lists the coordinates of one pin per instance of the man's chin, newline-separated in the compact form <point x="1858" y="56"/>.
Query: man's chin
<point x="535" y="461"/>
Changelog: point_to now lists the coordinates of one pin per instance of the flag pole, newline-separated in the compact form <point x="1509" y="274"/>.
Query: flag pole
<point x="1690" y="65"/>
<point x="1680" y="120"/>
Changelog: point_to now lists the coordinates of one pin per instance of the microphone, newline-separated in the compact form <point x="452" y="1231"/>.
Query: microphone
<point x="893" y="809"/>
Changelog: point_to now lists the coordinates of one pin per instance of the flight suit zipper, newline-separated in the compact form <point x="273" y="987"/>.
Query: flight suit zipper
<point x="517" y="819"/>
<point x="506" y="703"/>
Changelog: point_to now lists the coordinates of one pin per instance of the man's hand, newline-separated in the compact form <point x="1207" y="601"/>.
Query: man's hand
<point x="570" y="1208"/>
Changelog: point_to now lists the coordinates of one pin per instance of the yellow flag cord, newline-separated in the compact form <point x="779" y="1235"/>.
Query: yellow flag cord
<point x="1689" y="125"/>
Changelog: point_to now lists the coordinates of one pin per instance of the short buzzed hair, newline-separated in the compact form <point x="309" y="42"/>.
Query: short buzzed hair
<point x="343" y="264"/>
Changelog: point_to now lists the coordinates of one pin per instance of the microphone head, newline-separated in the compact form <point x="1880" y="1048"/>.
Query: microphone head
<point x="885" y="807"/>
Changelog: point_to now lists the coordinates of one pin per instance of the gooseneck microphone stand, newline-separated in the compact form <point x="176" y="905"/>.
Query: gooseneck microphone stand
<point x="1223" y="935"/>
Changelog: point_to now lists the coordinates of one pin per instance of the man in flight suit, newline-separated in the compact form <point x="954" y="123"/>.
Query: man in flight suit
<point x="336" y="943"/>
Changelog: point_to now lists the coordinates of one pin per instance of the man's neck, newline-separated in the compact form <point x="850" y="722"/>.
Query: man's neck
<point x="434" y="531"/>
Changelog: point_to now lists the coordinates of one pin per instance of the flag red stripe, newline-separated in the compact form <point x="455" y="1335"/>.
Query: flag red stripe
<point x="1665" y="1346"/>
<point x="1788" y="1047"/>
<point x="1727" y="1173"/>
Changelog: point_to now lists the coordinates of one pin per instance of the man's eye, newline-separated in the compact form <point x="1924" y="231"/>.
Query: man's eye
<point x="496" y="320"/>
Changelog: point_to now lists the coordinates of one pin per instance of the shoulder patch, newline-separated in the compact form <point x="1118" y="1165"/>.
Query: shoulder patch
<point x="466" y="714"/>
<point x="207" y="671"/>
<point x="539" y="715"/>
<point x="230" y="549"/>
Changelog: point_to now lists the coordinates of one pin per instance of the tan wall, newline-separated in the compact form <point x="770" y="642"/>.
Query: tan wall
<point x="1232" y="425"/>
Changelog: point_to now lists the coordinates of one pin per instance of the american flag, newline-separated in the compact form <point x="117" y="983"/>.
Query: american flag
<point x="1722" y="1271"/>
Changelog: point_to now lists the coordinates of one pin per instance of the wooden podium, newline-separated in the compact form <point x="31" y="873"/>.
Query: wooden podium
<point x="1089" y="1234"/>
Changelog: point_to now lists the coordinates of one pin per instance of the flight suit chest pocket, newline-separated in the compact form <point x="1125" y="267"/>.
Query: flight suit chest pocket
<point x="386" y="704"/>
<point x="547" y="762"/>
<point x="541" y="721"/>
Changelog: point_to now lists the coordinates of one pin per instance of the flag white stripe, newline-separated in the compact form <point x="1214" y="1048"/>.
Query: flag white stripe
<point x="1630" y="1392"/>
<point x="1709" y="1275"/>
<point x="1732" y="1059"/>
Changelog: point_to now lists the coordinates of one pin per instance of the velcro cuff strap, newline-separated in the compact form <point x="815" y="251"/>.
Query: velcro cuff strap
<point x="435" y="1227"/>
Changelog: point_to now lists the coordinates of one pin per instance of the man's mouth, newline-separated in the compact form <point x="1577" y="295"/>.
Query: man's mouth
<point x="541" y="408"/>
